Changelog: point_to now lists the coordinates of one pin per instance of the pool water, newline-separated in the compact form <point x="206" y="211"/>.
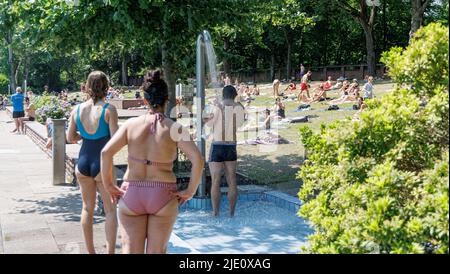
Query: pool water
<point x="259" y="227"/>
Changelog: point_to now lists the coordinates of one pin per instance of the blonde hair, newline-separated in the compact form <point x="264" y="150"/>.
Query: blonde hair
<point x="19" y="90"/>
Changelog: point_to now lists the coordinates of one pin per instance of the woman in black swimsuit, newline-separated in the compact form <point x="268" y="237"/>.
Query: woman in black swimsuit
<point x="96" y="121"/>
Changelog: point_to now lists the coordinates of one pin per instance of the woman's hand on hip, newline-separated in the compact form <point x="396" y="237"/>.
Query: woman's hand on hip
<point x="115" y="193"/>
<point x="183" y="196"/>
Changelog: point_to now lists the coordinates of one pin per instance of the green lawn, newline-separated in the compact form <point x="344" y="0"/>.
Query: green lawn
<point x="279" y="167"/>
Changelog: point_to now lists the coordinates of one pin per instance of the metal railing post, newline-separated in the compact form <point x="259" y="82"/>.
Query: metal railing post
<point x="59" y="151"/>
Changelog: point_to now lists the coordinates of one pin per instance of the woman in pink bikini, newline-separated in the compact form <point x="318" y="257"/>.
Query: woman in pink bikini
<point x="148" y="198"/>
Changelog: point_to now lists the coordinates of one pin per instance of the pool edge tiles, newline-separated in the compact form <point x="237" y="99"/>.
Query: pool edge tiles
<point x="279" y="199"/>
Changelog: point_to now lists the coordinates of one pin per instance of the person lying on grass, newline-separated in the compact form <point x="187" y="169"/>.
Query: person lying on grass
<point x="361" y="106"/>
<point x="350" y="95"/>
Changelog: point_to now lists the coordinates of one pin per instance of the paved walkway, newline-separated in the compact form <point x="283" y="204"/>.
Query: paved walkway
<point x="36" y="217"/>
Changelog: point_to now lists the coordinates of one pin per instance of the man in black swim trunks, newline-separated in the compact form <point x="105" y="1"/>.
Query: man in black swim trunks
<point x="18" y="110"/>
<point x="225" y="119"/>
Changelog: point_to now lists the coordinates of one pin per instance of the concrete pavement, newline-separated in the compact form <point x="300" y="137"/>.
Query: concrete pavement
<point x="36" y="217"/>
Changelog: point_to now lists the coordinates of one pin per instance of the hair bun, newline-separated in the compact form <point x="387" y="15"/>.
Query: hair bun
<point x="155" y="88"/>
<point x="153" y="77"/>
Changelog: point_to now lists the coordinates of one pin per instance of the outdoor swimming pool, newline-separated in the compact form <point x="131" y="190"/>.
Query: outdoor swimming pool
<point x="263" y="224"/>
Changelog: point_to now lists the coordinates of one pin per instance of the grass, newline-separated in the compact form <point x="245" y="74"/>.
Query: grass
<point x="281" y="165"/>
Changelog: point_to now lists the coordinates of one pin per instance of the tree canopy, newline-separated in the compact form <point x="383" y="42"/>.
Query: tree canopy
<point x="56" y="43"/>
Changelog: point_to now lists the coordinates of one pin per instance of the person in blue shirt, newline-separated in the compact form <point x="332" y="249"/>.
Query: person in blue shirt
<point x="18" y="110"/>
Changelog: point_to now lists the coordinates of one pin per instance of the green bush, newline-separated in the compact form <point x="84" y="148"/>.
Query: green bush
<point x="381" y="185"/>
<point x="4" y="81"/>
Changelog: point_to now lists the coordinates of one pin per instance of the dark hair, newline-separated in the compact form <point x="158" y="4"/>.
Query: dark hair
<point x="97" y="85"/>
<point x="27" y="99"/>
<point x="229" y="92"/>
<point x="156" y="91"/>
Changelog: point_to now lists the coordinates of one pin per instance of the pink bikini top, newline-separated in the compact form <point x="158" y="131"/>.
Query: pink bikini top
<point x="155" y="118"/>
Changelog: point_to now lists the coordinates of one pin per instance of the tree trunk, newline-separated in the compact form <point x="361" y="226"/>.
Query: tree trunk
<point x="124" y="71"/>
<point x="288" y="57"/>
<point x="16" y="72"/>
<point x="289" y="62"/>
<point x="12" y="78"/>
<point x="169" y="76"/>
<point x="367" y="22"/>
<point x="417" y="14"/>
<point x="255" y="68"/>
<point x="301" y="56"/>
<point x="272" y="67"/>
<point x="384" y="18"/>
<point x="26" y="69"/>
<point x="371" y="60"/>
<point x="226" y="61"/>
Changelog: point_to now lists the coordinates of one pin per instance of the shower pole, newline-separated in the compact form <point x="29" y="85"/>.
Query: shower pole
<point x="200" y="105"/>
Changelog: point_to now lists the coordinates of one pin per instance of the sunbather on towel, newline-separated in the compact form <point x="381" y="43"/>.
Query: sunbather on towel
<point x="268" y="139"/>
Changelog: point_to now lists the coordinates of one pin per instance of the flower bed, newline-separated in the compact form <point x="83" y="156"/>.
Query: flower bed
<point x="52" y="107"/>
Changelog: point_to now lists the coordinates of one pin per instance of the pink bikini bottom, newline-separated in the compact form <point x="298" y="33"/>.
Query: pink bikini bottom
<point x="147" y="198"/>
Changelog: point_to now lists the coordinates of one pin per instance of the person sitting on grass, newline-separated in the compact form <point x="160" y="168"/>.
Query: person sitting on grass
<point x="350" y="95"/>
<point x="255" y="90"/>
<point x="338" y="85"/>
<point x="320" y="94"/>
<point x="279" y="109"/>
<point x="344" y="89"/>
<point x="328" y="85"/>
<point x="227" y="80"/>
<point x="354" y="91"/>
<point x="368" y="88"/>
<point x="292" y="87"/>
<point x="265" y="125"/>
<point x="361" y="107"/>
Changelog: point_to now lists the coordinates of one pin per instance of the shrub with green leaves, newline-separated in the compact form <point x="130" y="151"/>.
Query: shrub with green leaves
<point x="3" y="84"/>
<point x="381" y="184"/>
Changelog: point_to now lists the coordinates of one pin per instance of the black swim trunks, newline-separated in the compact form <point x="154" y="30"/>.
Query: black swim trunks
<point x="223" y="153"/>
<point x="18" y="114"/>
